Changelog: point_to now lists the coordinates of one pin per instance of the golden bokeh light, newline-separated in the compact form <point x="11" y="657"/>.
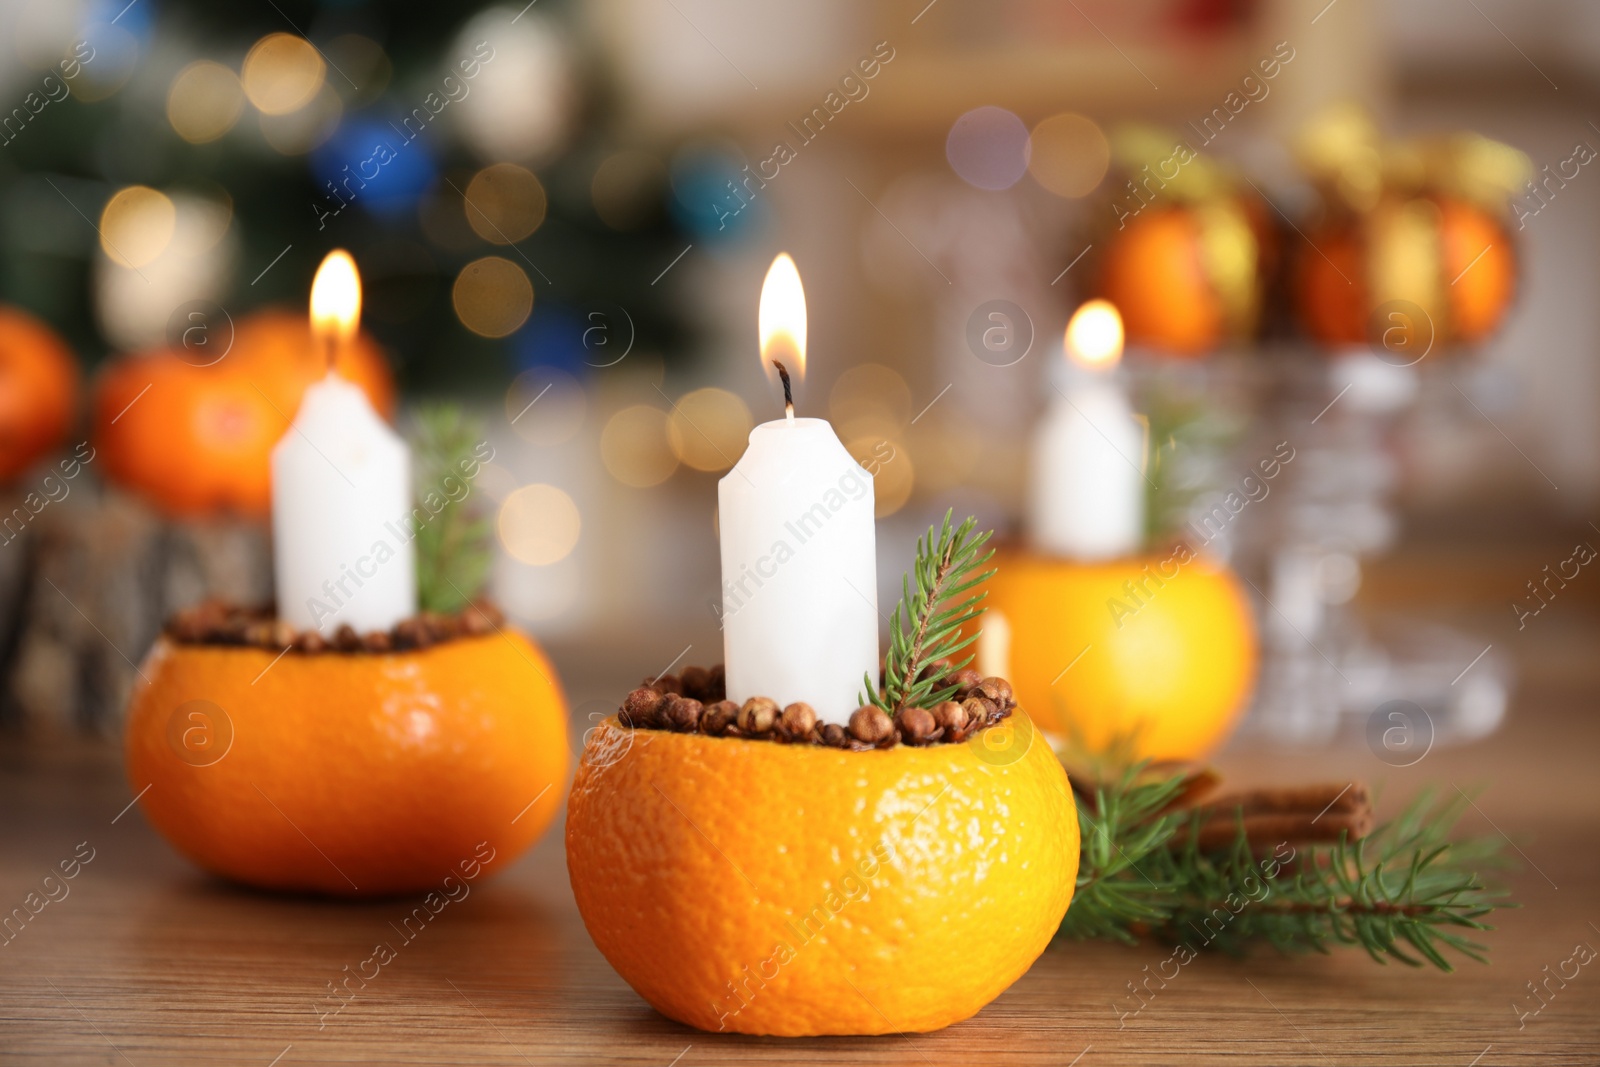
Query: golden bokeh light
<point x="539" y="525"/>
<point x="301" y="130"/>
<point x="545" y="406"/>
<point x="889" y="463"/>
<point x="137" y="225"/>
<point x="492" y="296"/>
<point x="504" y="203"/>
<point x="635" y="449"/>
<point x="708" y="429"/>
<point x="869" y="398"/>
<point x="945" y="447"/>
<point x="1094" y="334"/>
<point x="1069" y="154"/>
<point x="626" y="189"/>
<point x="282" y="73"/>
<point x="204" y="102"/>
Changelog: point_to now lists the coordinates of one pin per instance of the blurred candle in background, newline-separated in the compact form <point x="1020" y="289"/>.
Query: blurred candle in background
<point x="1086" y="494"/>
<point x="799" y="563"/>
<point x="341" y="489"/>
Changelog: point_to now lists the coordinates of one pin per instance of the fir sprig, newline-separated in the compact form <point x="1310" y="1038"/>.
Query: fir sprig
<point x="1404" y="892"/>
<point x="453" y="540"/>
<point x="926" y="624"/>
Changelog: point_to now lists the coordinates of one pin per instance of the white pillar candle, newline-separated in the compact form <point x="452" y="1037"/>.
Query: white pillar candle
<point x="1086" y="493"/>
<point x="341" y="491"/>
<point x="799" y="564"/>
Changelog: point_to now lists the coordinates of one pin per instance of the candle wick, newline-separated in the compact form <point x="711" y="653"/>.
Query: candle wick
<point x="325" y="348"/>
<point x="788" y="392"/>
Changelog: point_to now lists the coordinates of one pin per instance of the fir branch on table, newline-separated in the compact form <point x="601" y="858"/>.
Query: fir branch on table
<point x="926" y="624"/>
<point x="1406" y="891"/>
<point x="454" y="547"/>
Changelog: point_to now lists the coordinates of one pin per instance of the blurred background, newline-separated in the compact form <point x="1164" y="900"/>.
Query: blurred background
<point x="562" y="213"/>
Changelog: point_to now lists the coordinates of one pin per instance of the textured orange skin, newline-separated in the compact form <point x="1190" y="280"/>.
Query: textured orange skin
<point x="1153" y="273"/>
<point x="199" y="440"/>
<point x="691" y="855"/>
<point x="1181" y="667"/>
<point x="397" y="766"/>
<point x="38" y="390"/>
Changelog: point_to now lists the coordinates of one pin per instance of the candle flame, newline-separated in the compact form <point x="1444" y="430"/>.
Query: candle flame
<point x="1094" y="336"/>
<point x="781" y="318"/>
<point x="336" y="302"/>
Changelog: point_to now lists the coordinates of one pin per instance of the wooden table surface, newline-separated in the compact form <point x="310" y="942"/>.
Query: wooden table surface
<point x="148" y="961"/>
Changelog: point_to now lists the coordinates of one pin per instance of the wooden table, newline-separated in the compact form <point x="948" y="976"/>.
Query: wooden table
<point x="148" y="962"/>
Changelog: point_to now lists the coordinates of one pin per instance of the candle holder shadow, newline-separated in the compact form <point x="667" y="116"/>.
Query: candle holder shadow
<point x="760" y="875"/>
<point x="1160" y="647"/>
<point x="362" y="766"/>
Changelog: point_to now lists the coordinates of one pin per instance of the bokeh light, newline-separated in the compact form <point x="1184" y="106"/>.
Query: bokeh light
<point x="137" y="225"/>
<point x="525" y="94"/>
<point x="364" y="62"/>
<point x="626" y="189"/>
<point x="988" y="148"/>
<point x="282" y="73"/>
<point x="708" y="429"/>
<point x="204" y="102"/>
<point x="301" y="130"/>
<point x="504" y="203"/>
<point x="945" y="446"/>
<point x="635" y="449"/>
<point x="704" y="178"/>
<point x="869" y="399"/>
<point x="545" y="406"/>
<point x="539" y="524"/>
<point x="370" y="163"/>
<point x="116" y="47"/>
<point x="889" y="463"/>
<point x="492" y="296"/>
<point x="1069" y="154"/>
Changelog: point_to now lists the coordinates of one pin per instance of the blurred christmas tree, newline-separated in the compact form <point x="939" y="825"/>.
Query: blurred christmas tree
<point x="464" y="157"/>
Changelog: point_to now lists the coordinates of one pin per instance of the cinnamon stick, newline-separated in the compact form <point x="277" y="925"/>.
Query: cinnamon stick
<point x="1317" y="799"/>
<point x="1220" y="830"/>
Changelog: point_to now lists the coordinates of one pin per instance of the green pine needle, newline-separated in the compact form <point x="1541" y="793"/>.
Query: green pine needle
<point x="1405" y="892"/>
<point x="453" y="539"/>
<point x="926" y="624"/>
